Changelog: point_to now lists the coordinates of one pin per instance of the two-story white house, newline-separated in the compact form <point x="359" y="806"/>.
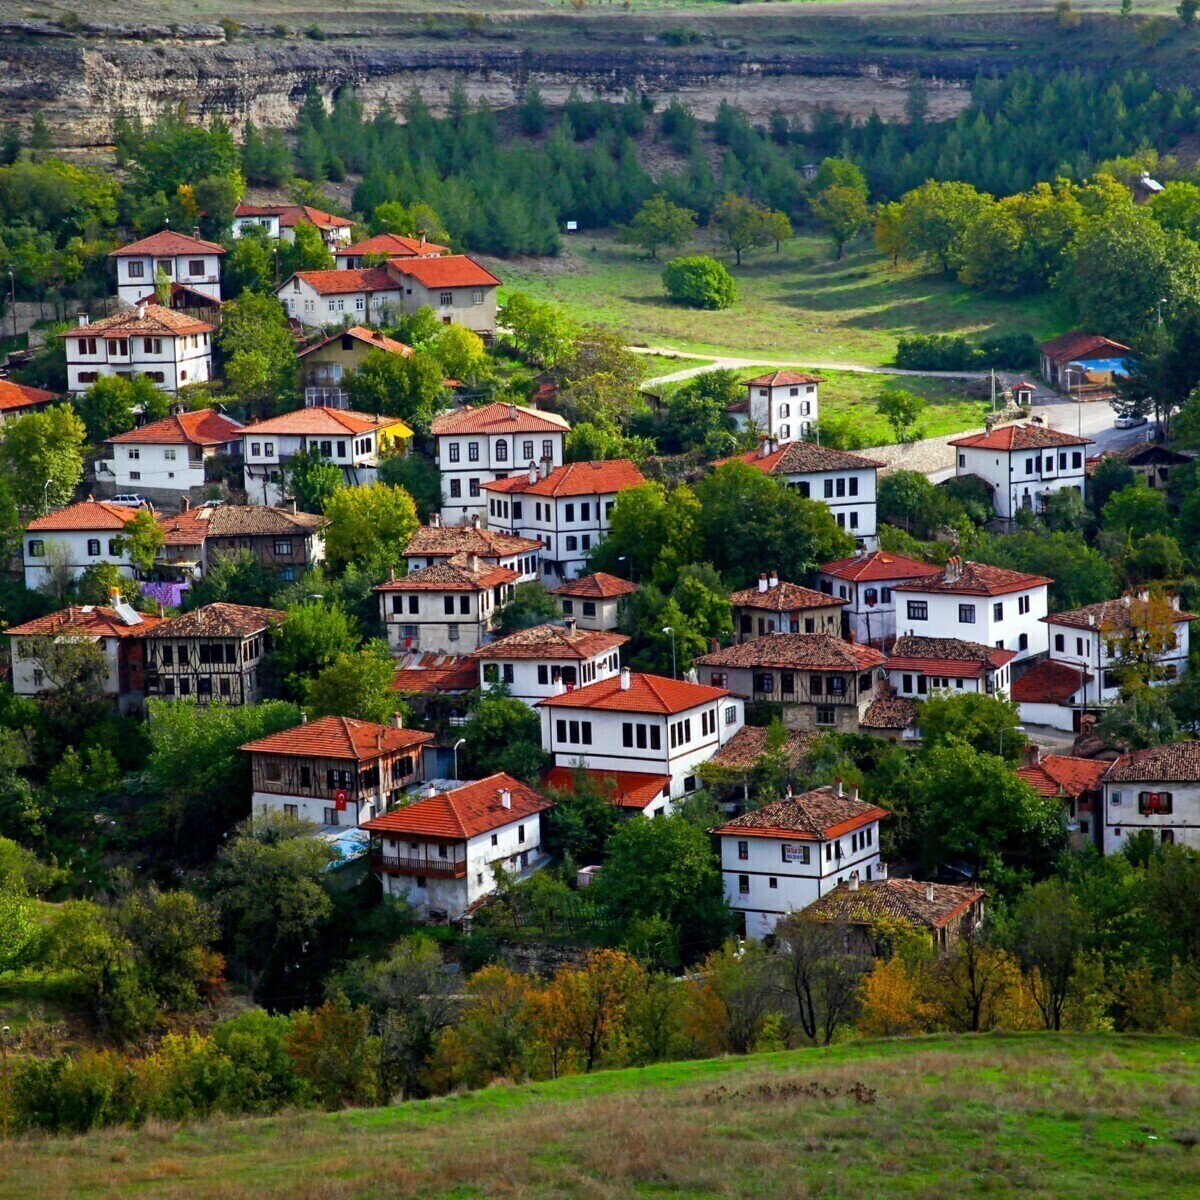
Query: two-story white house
<point x="364" y="296"/>
<point x="781" y="405"/>
<point x="978" y="603"/>
<point x="351" y="440"/>
<point x="786" y="855"/>
<point x="918" y="666"/>
<point x="534" y="664"/>
<point x="1023" y="464"/>
<point x="440" y="853"/>
<point x="19" y="400"/>
<point x="477" y="445"/>
<point x="646" y="724"/>
<point x="75" y="538"/>
<point x="280" y="221"/>
<point x="781" y="607"/>
<point x="865" y="585"/>
<point x="436" y="542"/>
<point x="596" y="601"/>
<point x="169" y="347"/>
<point x="567" y="509"/>
<point x="845" y="483"/>
<point x="450" y="607"/>
<point x="458" y="289"/>
<point x="335" y="771"/>
<point x="187" y="261"/>
<point x="386" y="246"/>
<point x="167" y="458"/>
<point x="1157" y="790"/>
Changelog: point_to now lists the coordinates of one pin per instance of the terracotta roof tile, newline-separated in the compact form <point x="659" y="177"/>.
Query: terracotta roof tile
<point x="952" y="657"/>
<point x="597" y="586"/>
<point x="206" y="427"/>
<point x="552" y="641"/>
<point x="93" y="620"/>
<point x="219" y="620"/>
<point x="317" y="420"/>
<point x="798" y="651"/>
<point x="434" y="672"/>
<point x="1048" y="682"/>
<point x="1178" y="762"/>
<point x="453" y="575"/>
<point x="803" y="458"/>
<point x="1065" y="775"/>
<point x="977" y="579"/>
<point x="901" y="899"/>
<point x="394" y="245"/>
<point x="445" y="541"/>
<point x="498" y="418"/>
<point x="375" y="338"/>
<point x="335" y="283"/>
<point x="463" y="813"/>
<point x="18" y="395"/>
<point x="782" y="379"/>
<point x="291" y="215"/>
<point x="890" y="712"/>
<point x="574" y="479"/>
<point x="446" y="271"/>
<point x="239" y="520"/>
<point x="878" y="567"/>
<point x="167" y="242"/>
<point x="1074" y="345"/>
<point x="645" y="694"/>
<point x="340" y="737"/>
<point x="85" y="516"/>
<point x="784" y="597"/>
<point x="629" y="789"/>
<point x="749" y="744"/>
<point x="812" y="816"/>
<point x="154" y="319"/>
<point x="1020" y="437"/>
<point x="1107" y="615"/>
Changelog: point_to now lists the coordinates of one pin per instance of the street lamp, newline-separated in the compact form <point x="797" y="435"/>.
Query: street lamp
<point x="1068" y="372"/>
<point x="1161" y="302"/>
<point x="456" y="746"/>
<point x="670" y="629"/>
<point x="1009" y="729"/>
<point x="12" y="287"/>
<point x="625" y="559"/>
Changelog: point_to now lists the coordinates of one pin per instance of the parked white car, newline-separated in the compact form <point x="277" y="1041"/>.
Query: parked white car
<point x="1128" y="420"/>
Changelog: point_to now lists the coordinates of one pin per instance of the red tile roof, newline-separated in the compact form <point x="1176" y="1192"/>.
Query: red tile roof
<point x="453" y="575"/>
<point x="803" y="458"/>
<point x="445" y="541"/>
<point x="1107" y="615"/>
<point x="18" y="395"/>
<point x="781" y="379"/>
<point x="434" y="672"/>
<point x="335" y="283"/>
<point x="1076" y="345"/>
<point x="1020" y="437"/>
<point x="629" y="789"/>
<point x="900" y="899"/>
<point x="394" y="245"/>
<point x="574" y="479"/>
<point x="1178" y="762"/>
<point x="291" y="215"/>
<point x="878" y="567"/>
<point x="1065" y="775"/>
<point x="1048" y="682"/>
<point x="340" y="737"/>
<point x="796" y="651"/>
<point x="87" y="515"/>
<point x="977" y="579"/>
<point x="92" y="620"/>
<point x="890" y="712"/>
<point x="167" y="242"/>
<point x="374" y="338"/>
<point x="318" y="419"/>
<point x="784" y="597"/>
<point x="447" y="271"/>
<point x="219" y="620"/>
<point x="498" y="418"/>
<point x="597" y="586"/>
<point x="463" y="813"/>
<point x="813" y="816"/>
<point x="154" y="319"/>
<point x="951" y="657"/>
<point x="645" y="694"/>
<point x="205" y="427"/>
<point x="749" y="744"/>
<point x="552" y="641"/>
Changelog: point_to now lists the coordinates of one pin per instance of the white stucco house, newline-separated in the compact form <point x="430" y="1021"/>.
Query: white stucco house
<point x="865" y="584"/>
<point x="918" y="666"/>
<point x="1023" y="465"/>
<point x="169" y="347"/>
<point x="188" y="262"/>
<point x="477" y="445"/>
<point x="75" y="538"/>
<point x="279" y="221"/>
<point x="458" y="289"/>
<point x="978" y="603"/>
<point x="440" y="853"/>
<point x="387" y="246"/>
<point x="781" y="405"/>
<point x="596" y="601"/>
<point x="435" y="543"/>
<point x="365" y="296"/>
<point x="786" y="855"/>
<point x="1157" y="790"/>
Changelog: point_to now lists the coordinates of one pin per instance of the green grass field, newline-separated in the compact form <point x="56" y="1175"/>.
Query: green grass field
<point x="1068" y="1117"/>
<point x="795" y="306"/>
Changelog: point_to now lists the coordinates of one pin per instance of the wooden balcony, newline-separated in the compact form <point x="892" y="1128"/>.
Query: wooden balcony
<point x="437" y="868"/>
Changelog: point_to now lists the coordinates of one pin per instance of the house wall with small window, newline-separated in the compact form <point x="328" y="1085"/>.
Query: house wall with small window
<point x="316" y="309"/>
<point x="1169" y="810"/>
<point x="137" y="274"/>
<point x="750" y="622"/>
<point x="525" y="565"/>
<point x="786" y="413"/>
<point x="266" y="457"/>
<point x="531" y="680"/>
<point x="918" y="684"/>
<point x="74" y="549"/>
<point x="221" y="670"/>
<point x="174" y="467"/>
<point x="29" y="674"/>
<point x="592" y="614"/>
<point x="474" y="307"/>
<point x="647" y="742"/>
<point x="569" y="528"/>
<point x="767" y="878"/>
<point x="287" y="556"/>
<point x="869" y="609"/>
<point x="449" y="622"/>
<point x="1099" y="656"/>
<point x="1012" y="621"/>
<point x="169" y="362"/>
<point x="1024" y="478"/>
<point x="849" y="495"/>
<point x="469" y="460"/>
<point x="833" y="700"/>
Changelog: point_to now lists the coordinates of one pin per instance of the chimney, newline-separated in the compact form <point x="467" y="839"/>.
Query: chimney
<point x="774" y="580"/>
<point x="547" y="466"/>
<point x="788" y="793"/>
<point x="854" y="881"/>
<point x="397" y="720"/>
<point x="435" y="520"/>
<point x="391" y="574"/>
<point x="854" y="793"/>
<point x="1031" y="755"/>
<point x="850" y="634"/>
<point x="626" y="679"/>
<point x="422" y="239"/>
<point x="929" y="893"/>
<point x="533" y="473"/>
<point x="505" y="798"/>
<point x="184" y="504"/>
<point x="141" y="312"/>
<point x="114" y="595"/>
<point x="292" y="506"/>
<point x="881" y="870"/>
<point x="1175" y="601"/>
<point x="764" y="447"/>
<point x="474" y="520"/>
<point x="303" y="717"/>
<point x="84" y="318"/>
<point x="196" y="232"/>
<point x="512" y="412"/>
<point x="430" y="791"/>
<point x="569" y="624"/>
<point x="837" y="786"/>
<point x="378" y="741"/>
<point x="762" y="582"/>
<point x="473" y="563"/>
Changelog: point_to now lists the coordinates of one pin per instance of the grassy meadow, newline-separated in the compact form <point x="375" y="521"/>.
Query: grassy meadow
<point x="1068" y="1117"/>
<point x="797" y="306"/>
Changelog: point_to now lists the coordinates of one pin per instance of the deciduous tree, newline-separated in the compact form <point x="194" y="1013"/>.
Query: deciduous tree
<point x="369" y="526"/>
<point x="659" y="222"/>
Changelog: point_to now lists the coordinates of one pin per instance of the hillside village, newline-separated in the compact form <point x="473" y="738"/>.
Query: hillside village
<point x="389" y="653"/>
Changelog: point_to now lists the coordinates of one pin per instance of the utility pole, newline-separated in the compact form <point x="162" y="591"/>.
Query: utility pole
<point x="4" y="1075"/>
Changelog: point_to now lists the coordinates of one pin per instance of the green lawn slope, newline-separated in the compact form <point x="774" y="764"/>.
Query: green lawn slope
<point x="1034" y="1116"/>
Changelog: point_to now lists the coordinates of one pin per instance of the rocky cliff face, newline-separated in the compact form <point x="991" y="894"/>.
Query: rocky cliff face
<point x="82" y="85"/>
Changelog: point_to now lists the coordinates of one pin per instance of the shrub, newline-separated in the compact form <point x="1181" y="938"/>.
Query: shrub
<point x="700" y="282"/>
<point x="230" y="28"/>
<point x="75" y="1094"/>
<point x="934" y="352"/>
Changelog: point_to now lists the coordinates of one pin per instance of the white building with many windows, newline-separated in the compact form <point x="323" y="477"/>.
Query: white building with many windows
<point x="788" y="854"/>
<point x="74" y="538"/>
<point x="646" y="724"/>
<point x="1023" y="465"/>
<point x="478" y="445"/>
<point x="596" y="601"/>
<point x="845" y="483"/>
<point x="865" y="585"/>
<point x="367" y="296"/>
<point x="440" y="853"/>
<point x="170" y="348"/>
<point x="781" y="405"/>
<point x="189" y="262"/>
<point x="917" y="666"/>
<point x="435" y="543"/>
<point x="459" y="290"/>
<point x="534" y="664"/>
<point x="978" y="603"/>
<point x="1157" y="790"/>
<point x="567" y="509"/>
<point x="279" y="221"/>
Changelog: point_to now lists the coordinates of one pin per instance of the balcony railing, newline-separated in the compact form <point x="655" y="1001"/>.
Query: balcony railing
<point x="401" y="864"/>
